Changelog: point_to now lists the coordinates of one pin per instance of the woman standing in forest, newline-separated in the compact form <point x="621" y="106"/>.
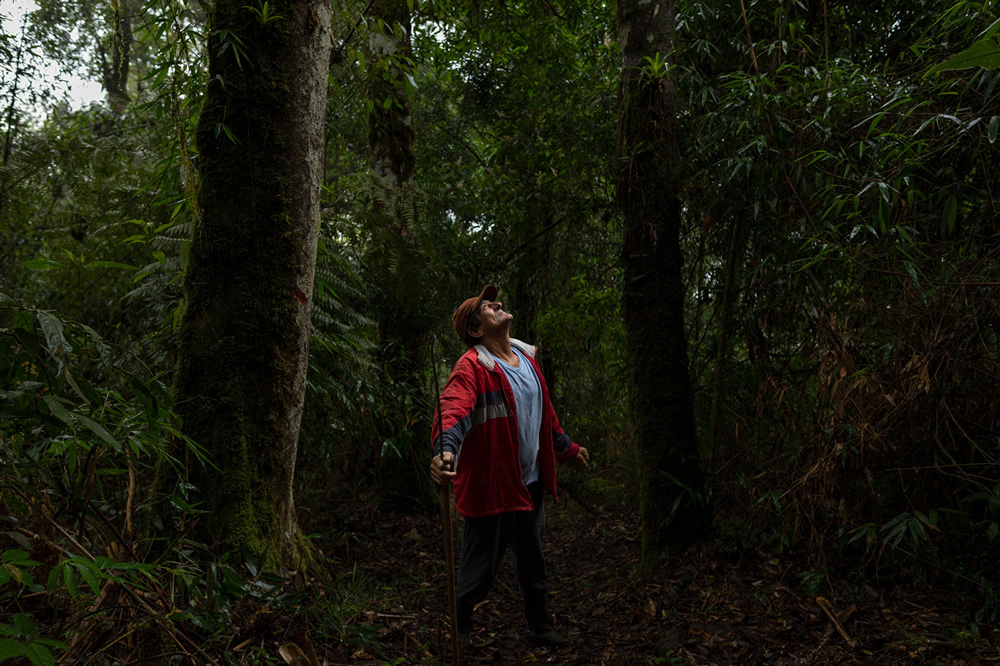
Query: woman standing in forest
<point x="495" y="411"/>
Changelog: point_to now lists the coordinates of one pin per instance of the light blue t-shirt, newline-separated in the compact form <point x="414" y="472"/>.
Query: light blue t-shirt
<point x="528" y="404"/>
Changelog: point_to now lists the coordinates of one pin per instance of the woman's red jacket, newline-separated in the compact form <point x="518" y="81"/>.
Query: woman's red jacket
<point x="480" y="428"/>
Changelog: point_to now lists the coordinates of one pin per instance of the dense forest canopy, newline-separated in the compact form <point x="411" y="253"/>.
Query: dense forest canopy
<point x="758" y="250"/>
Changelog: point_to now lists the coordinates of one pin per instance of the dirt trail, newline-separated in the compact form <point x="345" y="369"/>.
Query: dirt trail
<point x="715" y="604"/>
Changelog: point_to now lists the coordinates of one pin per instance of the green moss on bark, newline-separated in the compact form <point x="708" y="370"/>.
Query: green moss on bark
<point x="673" y="505"/>
<point x="243" y="340"/>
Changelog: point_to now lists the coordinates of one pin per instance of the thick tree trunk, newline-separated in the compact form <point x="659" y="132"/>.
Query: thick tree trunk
<point x="244" y="336"/>
<point x="672" y="499"/>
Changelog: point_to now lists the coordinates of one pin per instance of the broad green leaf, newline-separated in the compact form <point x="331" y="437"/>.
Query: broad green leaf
<point x="146" y="397"/>
<point x="39" y="654"/>
<point x="896" y="534"/>
<point x="23" y="321"/>
<point x="917" y="530"/>
<point x="991" y="133"/>
<point x="930" y="522"/>
<point x="99" y="430"/>
<point x="82" y="388"/>
<point x="160" y="76"/>
<point x="41" y="264"/>
<point x="70" y="579"/>
<point x="949" y="215"/>
<point x="26" y="333"/>
<point x="53" y="578"/>
<point x="884" y="215"/>
<point x="25" y="625"/>
<point x="52" y="327"/>
<point x="89" y="575"/>
<point x="984" y="53"/>
<point x="102" y="347"/>
<point x="9" y="648"/>
<point x="59" y="410"/>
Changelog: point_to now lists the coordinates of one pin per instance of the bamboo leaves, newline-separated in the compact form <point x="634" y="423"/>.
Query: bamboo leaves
<point x="984" y="53"/>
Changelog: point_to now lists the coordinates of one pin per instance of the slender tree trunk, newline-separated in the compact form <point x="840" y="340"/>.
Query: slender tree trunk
<point x="116" y="71"/>
<point x="673" y="504"/>
<point x="722" y="340"/>
<point x="524" y="289"/>
<point x="244" y="335"/>
<point x="390" y="125"/>
<point x="397" y="258"/>
<point x="12" y="123"/>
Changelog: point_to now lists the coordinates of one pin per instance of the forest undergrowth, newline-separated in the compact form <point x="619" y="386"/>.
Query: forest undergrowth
<point x="731" y="599"/>
<point x="720" y="602"/>
<point x="88" y="577"/>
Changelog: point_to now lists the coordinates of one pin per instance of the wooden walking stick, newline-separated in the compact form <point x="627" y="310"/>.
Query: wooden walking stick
<point x="449" y="545"/>
<point x="449" y="556"/>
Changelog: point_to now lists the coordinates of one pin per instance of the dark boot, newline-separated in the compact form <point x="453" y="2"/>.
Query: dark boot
<point x="464" y="622"/>
<point x="540" y="623"/>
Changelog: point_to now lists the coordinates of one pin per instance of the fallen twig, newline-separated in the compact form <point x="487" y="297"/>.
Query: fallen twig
<point x="825" y="606"/>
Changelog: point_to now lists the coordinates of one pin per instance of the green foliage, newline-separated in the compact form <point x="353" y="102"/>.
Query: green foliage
<point x="517" y="141"/>
<point x="343" y="379"/>
<point x="50" y="365"/>
<point x="838" y="168"/>
<point x="77" y="426"/>
<point x="859" y="245"/>
<point x="21" y="636"/>
<point x="985" y="53"/>
<point x="656" y="67"/>
<point x="80" y="432"/>
<point x="264" y="13"/>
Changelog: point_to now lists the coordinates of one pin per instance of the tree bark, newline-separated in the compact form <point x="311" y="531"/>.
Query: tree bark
<point x="390" y="124"/>
<point x="244" y="335"/>
<point x="673" y="502"/>
<point x="12" y="122"/>
<point x="116" y="71"/>
<point x="396" y="258"/>
<point x="722" y="340"/>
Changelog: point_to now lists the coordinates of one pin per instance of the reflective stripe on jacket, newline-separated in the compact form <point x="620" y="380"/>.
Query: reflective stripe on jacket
<point x="480" y="428"/>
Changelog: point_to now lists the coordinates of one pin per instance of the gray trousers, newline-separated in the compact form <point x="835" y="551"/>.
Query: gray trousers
<point x="485" y="541"/>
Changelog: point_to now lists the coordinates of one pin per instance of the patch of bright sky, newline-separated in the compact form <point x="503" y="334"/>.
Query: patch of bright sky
<point x="79" y="92"/>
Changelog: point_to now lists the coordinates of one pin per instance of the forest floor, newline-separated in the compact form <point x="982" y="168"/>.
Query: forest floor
<point x="717" y="603"/>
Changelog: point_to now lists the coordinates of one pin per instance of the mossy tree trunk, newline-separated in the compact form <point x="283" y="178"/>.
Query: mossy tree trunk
<point x="244" y="335"/>
<point x="672" y="500"/>
<point x="397" y="263"/>
<point x="119" y="42"/>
